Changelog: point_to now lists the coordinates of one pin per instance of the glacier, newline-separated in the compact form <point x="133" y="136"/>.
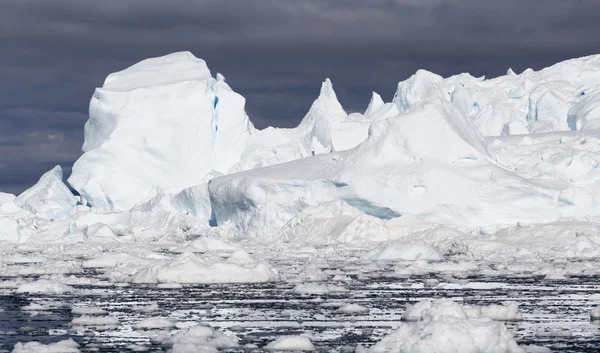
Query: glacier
<point x="458" y="176"/>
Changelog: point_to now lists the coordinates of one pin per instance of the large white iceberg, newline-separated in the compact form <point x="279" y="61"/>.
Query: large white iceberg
<point x="325" y="128"/>
<point x="160" y="125"/>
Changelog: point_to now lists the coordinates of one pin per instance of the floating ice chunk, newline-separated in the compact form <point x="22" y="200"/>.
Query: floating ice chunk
<point x="316" y="288"/>
<point x="95" y="321"/>
<point x="444" y="328"/>
<point x="312" y="272"/>
<point x="509" y="312"/>
<point x="192" y="268"/>
<point x="595" y="313"/>
<point x="45" y="286"/>
<point x="66" y="346"/>
<point x="89" y="311"/>
<point x="200" y="339"/>
<point x="49" y="198"/>
<point x="354" y="309"/>
<point x="417" y="311"/>
<point x="150" y="308"/>
<point x="154" y="323"/>
<point x="402" y="250"/>
<point x="291" y="343"/>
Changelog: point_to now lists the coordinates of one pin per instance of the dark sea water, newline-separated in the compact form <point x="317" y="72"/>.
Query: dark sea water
<point x="257" y="313"/>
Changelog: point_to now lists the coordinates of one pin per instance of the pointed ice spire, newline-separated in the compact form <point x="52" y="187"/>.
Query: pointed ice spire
<point x="220" y="77"/>
<point x="327" y="89"/>
<point x="328" y="102"/>
<point x="510" y="72"/>
<point x="325" y="113"/>
<point x="374" y="105"/>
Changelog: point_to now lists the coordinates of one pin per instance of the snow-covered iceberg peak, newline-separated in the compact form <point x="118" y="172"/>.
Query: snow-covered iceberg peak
<point x="323" y="118"/>
<point x="49" y="198"/>
<point x="375" y="104"/>
<point x="153" y="127"/>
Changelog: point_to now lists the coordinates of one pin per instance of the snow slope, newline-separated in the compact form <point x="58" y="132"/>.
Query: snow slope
<point x="429" y="161"/>
<point x="49" y="198"/>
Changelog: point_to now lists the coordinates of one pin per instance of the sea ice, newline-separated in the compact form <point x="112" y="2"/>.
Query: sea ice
<point x="65" y="346"/>
<point x="291" y="343"/>
<point x="45" y="286"/>
<point x="443" y="326"/>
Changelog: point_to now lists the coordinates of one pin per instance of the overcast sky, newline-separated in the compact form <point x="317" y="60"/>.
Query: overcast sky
<point x="53" y="53"/>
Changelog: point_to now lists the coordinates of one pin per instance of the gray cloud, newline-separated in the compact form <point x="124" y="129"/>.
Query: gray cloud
<point x="274" y="52"/>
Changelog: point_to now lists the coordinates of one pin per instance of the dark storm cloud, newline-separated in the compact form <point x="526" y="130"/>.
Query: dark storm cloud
<point x="274" y="52"/>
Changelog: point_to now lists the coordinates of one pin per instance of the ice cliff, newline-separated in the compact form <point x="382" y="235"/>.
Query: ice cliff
<point x="160" y="125"/>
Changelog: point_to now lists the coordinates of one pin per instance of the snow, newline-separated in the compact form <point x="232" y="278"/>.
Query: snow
<point x="291" y="343"/>
<point x="45" y="286"/>
<point x="65" y="346"/>
<point x="444" y="326"/>
<point x="49" y="198"/>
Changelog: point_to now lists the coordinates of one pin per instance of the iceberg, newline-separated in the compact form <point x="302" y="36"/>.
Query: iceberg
<point x="151" y="129"/>
<point x="49" y="198"/>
